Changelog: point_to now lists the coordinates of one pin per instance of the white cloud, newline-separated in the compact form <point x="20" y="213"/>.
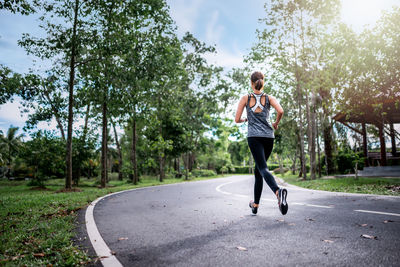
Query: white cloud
<point x="10" y="112"/>
<point x="213" y="30"/>
<point x="226" y="58"/>
<point x="185" y="14"/>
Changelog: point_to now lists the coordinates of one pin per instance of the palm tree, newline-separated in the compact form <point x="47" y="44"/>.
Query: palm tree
<point x="10" y="145"/>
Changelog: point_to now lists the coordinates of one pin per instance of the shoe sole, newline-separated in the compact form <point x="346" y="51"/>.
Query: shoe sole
<point x="283" y="205"/>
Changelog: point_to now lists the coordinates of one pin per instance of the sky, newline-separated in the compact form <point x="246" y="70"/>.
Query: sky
<point x="230" y="25"/>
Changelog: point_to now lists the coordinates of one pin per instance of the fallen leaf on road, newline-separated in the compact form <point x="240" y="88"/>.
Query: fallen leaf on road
<point x="280" y="220"/>
<point x="242" y="248"/>
<point x="311" y="220"/>
<point x="369" y="236"/>
<point x="327" y="241"/>
<point x="387" y="221"/>
<point x="103" y="257"/>
<point x="113" y="252"/>
<point x="362" y="225"/>
<point x="292" y="224"/>
<point x="122" y="238"/>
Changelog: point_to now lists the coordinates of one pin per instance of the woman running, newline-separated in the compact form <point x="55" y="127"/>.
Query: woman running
<point x="260" y="137"/>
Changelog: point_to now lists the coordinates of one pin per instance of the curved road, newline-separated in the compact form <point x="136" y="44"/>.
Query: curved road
<point x="209" y="223"/>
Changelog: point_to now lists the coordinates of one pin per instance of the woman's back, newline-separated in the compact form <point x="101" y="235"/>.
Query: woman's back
<point x="257" y="108"/>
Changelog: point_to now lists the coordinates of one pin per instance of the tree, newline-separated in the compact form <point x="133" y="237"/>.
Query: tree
<point x="64" y="43"/>
<point x="11" y="144"/>
<point x="286" y="46"/>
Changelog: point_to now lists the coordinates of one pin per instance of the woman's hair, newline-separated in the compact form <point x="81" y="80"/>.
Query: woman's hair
<point x="258" y="79"/>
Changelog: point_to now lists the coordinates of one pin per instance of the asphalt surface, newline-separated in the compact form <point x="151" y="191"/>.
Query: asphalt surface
<point x="209" y="223"/>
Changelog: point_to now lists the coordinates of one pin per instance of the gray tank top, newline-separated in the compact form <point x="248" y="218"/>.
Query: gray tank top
<point x="258" y="124"/>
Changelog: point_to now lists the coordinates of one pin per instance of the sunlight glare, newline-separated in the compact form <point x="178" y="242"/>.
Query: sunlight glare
<point x="362" y="12"/>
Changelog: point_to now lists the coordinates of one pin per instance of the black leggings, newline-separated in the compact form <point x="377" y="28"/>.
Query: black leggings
<point x="261" y="148"/>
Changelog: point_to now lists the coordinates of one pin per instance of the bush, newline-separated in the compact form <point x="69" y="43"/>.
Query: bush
<point x="346" y="161"/>
<point x="241" y="169"/>
<point x="203" y="173"/>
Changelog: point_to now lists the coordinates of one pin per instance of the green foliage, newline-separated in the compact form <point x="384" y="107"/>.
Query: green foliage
<point x="203" y="173"/>
<point x="346" y="160"/>
<point x="44" y="157"/>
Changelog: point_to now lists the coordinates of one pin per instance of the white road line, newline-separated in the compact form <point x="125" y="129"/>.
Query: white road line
<point x="98" y="243"/>
<point x="379" y="212"/>
<point x="101" y="248"/>
<point x="312" y="205"/>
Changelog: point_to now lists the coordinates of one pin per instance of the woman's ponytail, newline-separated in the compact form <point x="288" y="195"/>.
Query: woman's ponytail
<point x="257" y="78"/>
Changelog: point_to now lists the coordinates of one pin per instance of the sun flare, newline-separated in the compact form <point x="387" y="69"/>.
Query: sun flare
<point x="364" y="12"/>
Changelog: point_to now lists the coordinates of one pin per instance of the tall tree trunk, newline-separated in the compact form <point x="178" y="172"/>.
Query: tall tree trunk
<point x="313" y="165"/>
<point x="294" y="161"/>
<point x="104" y="172"/>
<point x="393" y="139"/>
<point x="119" y="152"/>
<point x="365" y="145"/>
<point x="68" y="178"/>
<point x="327" y="132"/>
<point x="186" y="164"/>
<point x="133" y="151"/>
<point x="382" y="143"/>
<point x="318" y="146"/>
<point x="301" y="134"/>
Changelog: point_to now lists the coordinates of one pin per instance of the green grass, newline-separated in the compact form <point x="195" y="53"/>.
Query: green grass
<point x="37" y="226"/>
<point x="365" y="185"/>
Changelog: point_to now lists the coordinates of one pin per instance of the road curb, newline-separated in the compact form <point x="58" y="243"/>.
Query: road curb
<point x="106" y="256"/>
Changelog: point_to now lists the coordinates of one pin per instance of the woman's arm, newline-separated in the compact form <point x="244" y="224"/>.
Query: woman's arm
<point x="239" y="111"/>
<point x="278" y="108"/>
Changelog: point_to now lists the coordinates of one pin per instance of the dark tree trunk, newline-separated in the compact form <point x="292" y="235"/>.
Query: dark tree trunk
<point x="133" y="153"/>
<point x="104" y="173"/>
<point x="119" y="153"/>
<point x="327" y="132"/>
<point x="318" y="147"/>
<point x="393" y="139"/>
<point x="303" y="171"/>
<point x="186" y="163"/>
<point x="294" y="161"/>
<point x="68" y="179"/>
<point x="383" y="145"/>
<point x="365" y="145"/>
<point x="313" y="165"/>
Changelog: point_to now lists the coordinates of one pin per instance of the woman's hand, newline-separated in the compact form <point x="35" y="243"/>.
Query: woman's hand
<point x="275" y="125"/>
<point x="243" y="119"/>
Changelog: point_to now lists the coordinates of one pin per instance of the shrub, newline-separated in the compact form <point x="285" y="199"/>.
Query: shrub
<point x="203" y="173"/>
<point x="346" y="161"/>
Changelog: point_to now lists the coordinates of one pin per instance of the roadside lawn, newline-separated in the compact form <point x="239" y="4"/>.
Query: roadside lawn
<point x="37" y="225"/>
<point x="365" y="185"/>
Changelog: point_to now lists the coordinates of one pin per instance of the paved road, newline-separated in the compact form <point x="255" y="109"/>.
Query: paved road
<point x="203" y="223"/>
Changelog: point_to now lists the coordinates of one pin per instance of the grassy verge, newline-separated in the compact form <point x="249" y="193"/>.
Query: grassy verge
<point x="37" y="226"/>
<point x="365" y="185"/>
